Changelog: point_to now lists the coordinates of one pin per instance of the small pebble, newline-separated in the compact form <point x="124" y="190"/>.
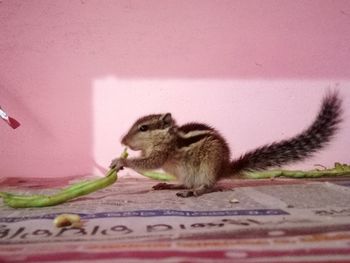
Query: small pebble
<point x="234" y="201"/>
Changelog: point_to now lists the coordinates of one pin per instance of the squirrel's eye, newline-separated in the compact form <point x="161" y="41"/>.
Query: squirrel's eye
<point x="143" y="128"/>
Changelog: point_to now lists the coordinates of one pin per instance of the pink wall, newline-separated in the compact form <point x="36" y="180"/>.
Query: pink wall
<point x="76" y="73"/>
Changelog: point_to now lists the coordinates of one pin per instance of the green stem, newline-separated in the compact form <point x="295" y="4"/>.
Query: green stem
<point x="71" y="192"/>
<point x="62" y="196"/>
<point x="158" y="175"/>
<point x="337" y="170"/>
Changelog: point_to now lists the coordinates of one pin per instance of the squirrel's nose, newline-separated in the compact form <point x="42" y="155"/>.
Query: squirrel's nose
<point x="123" y="141"/>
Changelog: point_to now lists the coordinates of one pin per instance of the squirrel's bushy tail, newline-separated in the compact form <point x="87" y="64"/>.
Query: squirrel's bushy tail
<point x="298" y="147"/>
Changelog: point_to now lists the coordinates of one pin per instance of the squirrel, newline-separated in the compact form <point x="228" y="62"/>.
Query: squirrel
<point x="199" y="156"/>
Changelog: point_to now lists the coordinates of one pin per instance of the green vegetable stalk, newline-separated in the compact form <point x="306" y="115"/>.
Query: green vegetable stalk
<point x="158" y="175"/>
<point x="73" y="191"/>
<point x="337" y="170"/>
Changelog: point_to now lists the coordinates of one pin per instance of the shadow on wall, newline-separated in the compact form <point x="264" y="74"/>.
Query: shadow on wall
<point x="52" y="52"/>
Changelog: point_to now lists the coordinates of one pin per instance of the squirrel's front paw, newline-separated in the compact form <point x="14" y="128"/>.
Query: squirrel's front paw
<point x="117" y="164"/>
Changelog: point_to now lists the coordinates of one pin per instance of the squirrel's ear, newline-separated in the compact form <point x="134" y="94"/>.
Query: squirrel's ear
<point x="166" y="118"/>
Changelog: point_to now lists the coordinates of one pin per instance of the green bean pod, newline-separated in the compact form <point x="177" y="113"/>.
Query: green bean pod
<point x="158" y="175"/>
<point x="337" y="170"/>
<point x="62" y="196"/>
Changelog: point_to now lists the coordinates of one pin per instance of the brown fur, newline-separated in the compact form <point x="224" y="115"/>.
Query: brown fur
<point x="199" y="156"/>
